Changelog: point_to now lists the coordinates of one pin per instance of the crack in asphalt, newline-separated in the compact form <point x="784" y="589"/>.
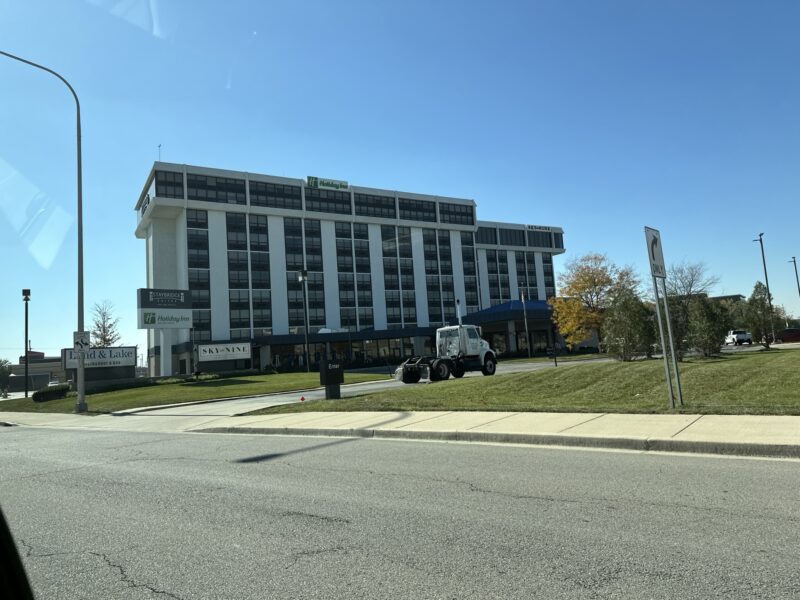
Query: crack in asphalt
<point x="323" y="518"/>
<point x="608" y="502"/>
<point x="296" y="556"/>
<point x="127" y="580"/>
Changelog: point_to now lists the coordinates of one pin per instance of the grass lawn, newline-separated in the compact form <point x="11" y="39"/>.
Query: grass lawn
<point x="564" y="358"/>
<point x="190" y="391"/>
<point x="746" y="383"/>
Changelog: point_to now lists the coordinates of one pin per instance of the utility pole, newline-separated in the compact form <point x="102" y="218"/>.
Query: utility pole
<point x="760" y="240"/>
<point x="525" y="313"/>
<point x="26" y="296"/>
<point x="80" y="403"/>
<point x="796" y="278"/>
<point x="302" y="277"/>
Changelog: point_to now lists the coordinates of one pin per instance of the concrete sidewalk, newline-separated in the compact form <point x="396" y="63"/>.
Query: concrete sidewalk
<point x="745" y="435"/>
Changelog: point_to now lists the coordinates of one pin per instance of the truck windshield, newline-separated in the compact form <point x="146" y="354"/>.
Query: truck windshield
<point x="448" y="342"/>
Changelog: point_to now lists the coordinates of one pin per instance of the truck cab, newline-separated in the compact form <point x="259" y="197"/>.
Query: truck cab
<point x="459" y="348"/>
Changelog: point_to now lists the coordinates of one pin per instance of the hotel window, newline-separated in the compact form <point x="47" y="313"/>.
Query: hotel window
<point x="459" y="214"/>
<point x="262" y="309"/>
<point x="275" y="195"/>
<point x="215" y="189"/>
<point x="549" y="277"/>
<point x="236" y="228"/>
<point x="486" y="235"/>
<point x="328" y="201"/>
<point x="369" y="205"/>
<point x="259" y="233"/>
<point x="197" y="248"/>
<point x="293" y="244"/>
<point x="196" y="219"/>
<point x="539" y="239"/>
<point x="169" y="184"/>
<point x="512" y="237"/>
<point x="417" y="210"/>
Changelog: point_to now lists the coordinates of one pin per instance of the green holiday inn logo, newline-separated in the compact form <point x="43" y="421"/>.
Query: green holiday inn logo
<point x="149" y="318"/>
<point x="329" y="184"/>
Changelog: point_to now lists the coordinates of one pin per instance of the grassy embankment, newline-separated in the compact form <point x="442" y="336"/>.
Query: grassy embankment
<point x="173" y="392"/>
<point x="746" y="383"/>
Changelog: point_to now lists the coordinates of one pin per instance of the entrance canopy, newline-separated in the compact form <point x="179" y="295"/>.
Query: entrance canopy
<point x="537" y="310"/>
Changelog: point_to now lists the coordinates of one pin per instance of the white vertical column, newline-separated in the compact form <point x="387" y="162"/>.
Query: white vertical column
<point x="483" y="274"/>
<point x="376" y="271"/>
<point x="218" y="275"/>
<point x="165" y="359"/>
<point x="540" y="276"/>
<point x="330" y="275"/>
<point x="420" y="288"/>
<point x="277" y="276"/>
<point x="458" y="270"/>
<point x="513" y="283"/>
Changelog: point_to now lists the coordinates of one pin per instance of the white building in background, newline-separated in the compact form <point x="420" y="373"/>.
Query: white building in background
<point x="384" y="268"/>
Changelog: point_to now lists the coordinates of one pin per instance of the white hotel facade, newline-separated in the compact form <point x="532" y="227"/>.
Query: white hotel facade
<point x="384" y="268"/>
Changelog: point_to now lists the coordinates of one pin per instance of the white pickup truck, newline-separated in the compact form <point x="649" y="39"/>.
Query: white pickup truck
<point x="737" y="337"/>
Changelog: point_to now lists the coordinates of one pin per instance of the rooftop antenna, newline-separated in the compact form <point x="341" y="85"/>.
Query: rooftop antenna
<point x="159" y="153"/>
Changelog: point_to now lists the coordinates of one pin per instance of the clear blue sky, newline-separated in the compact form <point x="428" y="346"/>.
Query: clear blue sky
<point x="600" y="117"/>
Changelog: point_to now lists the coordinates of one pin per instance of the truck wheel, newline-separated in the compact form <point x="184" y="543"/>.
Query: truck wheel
<point x="439" y="370"/>
<point x="489" y="366"/>
<point x="458" y="369"/>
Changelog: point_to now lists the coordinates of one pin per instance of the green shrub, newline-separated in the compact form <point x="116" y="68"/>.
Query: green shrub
<point x="51" y="393"/>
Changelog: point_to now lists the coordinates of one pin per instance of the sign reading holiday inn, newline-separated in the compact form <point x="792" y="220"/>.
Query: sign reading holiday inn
<point x="93" y="358"/>
<point x="231" y="351"/>
<point x="164" y="309"/>
<point x="326" y="184"/>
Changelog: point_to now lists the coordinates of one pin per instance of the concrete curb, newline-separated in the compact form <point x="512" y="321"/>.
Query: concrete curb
<point x="617" y="443"/>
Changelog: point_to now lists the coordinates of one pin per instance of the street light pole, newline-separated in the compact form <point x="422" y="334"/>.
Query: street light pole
<point x="26" y="296"/>
<point x="80" y="403"/>
<point x="796" y="278"/>
<point x="760" y="240"/>
<point x="525" y="313"/>
<point x="302" y="277"/>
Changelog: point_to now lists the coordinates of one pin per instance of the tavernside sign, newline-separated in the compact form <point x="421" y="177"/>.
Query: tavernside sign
<point x="539" y="228"/>
<point x="326" y="184"/>
<point x="93" y="358"/>
<point x="655" y="252"/>
<point x="209" y="352"/>
<point x="164" y="309"/>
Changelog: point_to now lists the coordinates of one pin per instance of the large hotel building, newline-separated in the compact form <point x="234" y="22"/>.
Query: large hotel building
<point x="384" y="268"/>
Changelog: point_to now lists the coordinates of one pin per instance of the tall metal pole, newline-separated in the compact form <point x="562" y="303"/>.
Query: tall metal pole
<point x="80" y="402"/>
<point x="26" y="296"/>
<point x="672" y="345"/>
<point x="671" y="396"/>
<point x="760" y="241"/>
<point x="796" y="278"/>
<point x="304" y="279"/>
<point x="527" y="335"/>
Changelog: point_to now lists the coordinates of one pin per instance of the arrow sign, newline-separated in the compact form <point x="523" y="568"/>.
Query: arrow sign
<point x="655" y="252"/>
<point x="80" y="341"/>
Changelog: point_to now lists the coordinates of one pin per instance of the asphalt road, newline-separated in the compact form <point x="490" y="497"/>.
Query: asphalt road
<point x="133" y="515"/>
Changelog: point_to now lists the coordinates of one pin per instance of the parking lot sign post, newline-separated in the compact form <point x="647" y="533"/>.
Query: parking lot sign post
<point x="658" y="270"/>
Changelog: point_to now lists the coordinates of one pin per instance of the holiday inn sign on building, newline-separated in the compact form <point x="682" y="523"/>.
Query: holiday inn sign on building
<point x="164" y="309"/>
<point x="326" y="184"/>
